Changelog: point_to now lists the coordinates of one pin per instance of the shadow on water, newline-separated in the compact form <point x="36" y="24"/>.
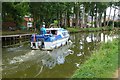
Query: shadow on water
<point x="22" y="62"/>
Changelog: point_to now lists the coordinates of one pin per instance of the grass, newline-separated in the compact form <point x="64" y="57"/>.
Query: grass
<point x="92" y="29"/>
<point x="74" y="30"/>
<point x="101" y="64"/>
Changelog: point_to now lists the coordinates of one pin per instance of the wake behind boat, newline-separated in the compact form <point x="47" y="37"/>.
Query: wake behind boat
<point x="54" y="38"/>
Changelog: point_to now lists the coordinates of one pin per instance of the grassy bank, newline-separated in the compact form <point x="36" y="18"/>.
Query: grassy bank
<point x="74" y="30"/>
<point x="71" y="30"/>
<point x="101" y="64"/>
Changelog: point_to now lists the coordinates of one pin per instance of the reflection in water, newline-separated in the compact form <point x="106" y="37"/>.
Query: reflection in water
<point x="22" y="62"/>
<point x="57" y="56"/>
<point x="85" y="43"/>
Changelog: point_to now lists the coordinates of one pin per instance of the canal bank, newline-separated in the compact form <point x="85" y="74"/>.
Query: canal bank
<point x="17" y="32"/>
<point x="10" y="40"/>
<point x="76" y="30"/>
<point x="101" y="64"/>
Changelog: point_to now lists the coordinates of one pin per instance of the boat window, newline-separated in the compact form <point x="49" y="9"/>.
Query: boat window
<point x="65" y="33"/>
<point x="48" y="32"/>
<point x="54" y="32"/>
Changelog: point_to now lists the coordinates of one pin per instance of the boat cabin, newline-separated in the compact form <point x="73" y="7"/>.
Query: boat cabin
<point x="56" y="31"/>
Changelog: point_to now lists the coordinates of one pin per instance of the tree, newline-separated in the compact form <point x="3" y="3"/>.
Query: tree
<point x="110" y="6"/>
<point x="100" y="9"/>
<point x="14" y="10"/>
<point x="92" y="12"/>
<point x="116" y="6"/>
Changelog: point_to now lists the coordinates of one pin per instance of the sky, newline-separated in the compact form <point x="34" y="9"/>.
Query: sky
<point x="112" y="11"/>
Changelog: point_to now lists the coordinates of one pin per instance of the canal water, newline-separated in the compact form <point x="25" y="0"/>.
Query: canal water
<point x="22" y="62"/>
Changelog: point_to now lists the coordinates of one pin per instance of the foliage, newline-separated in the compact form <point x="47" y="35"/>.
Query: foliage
<point x="60" y="11"/>
<point x="48" y="12"/>
<point x="14" y="11"/>
<point x="55" y="22"/>
<point x="102" y="64"/>
<point x="116" y="24"/>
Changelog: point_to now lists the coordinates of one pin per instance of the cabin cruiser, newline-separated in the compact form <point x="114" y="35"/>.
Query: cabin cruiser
<point x="54" y="38"/>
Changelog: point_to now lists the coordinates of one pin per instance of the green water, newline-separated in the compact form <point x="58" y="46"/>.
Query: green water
<point x="22" y="62"/>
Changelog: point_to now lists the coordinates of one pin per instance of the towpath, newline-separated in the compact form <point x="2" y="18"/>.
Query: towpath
<point x="117" y="74"/>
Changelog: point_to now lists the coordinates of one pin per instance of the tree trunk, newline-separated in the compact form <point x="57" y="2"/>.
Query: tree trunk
<point x="83" y="18"/>
<point x="68" y="19"/>
<point x="92" y="11"/>
<point x="97" y="21"/>
<point x="60" y="19"/>
<point x="114" y="17"/>
<point x="100" y="20"/>
<point x="77" y="15"/>
<point x="109" y="16"/>
<point x="95" y="16"/>
<point x="65" y="19"/>
<point x="105" y="18"/>
<point x="92" y="21"/>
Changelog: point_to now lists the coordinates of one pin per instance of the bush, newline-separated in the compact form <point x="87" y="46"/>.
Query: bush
<point x="55" y="23"/>
<point x="116" y="24"/>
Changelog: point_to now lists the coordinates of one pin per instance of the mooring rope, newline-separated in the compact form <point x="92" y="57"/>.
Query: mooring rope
<point x="39" y="71"/>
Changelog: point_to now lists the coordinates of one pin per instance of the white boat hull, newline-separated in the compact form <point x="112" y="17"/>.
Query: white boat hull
<point x="50" y="45"/>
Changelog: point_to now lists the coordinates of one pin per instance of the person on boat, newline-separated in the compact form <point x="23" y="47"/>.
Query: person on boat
<point x="43" y="29"/>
